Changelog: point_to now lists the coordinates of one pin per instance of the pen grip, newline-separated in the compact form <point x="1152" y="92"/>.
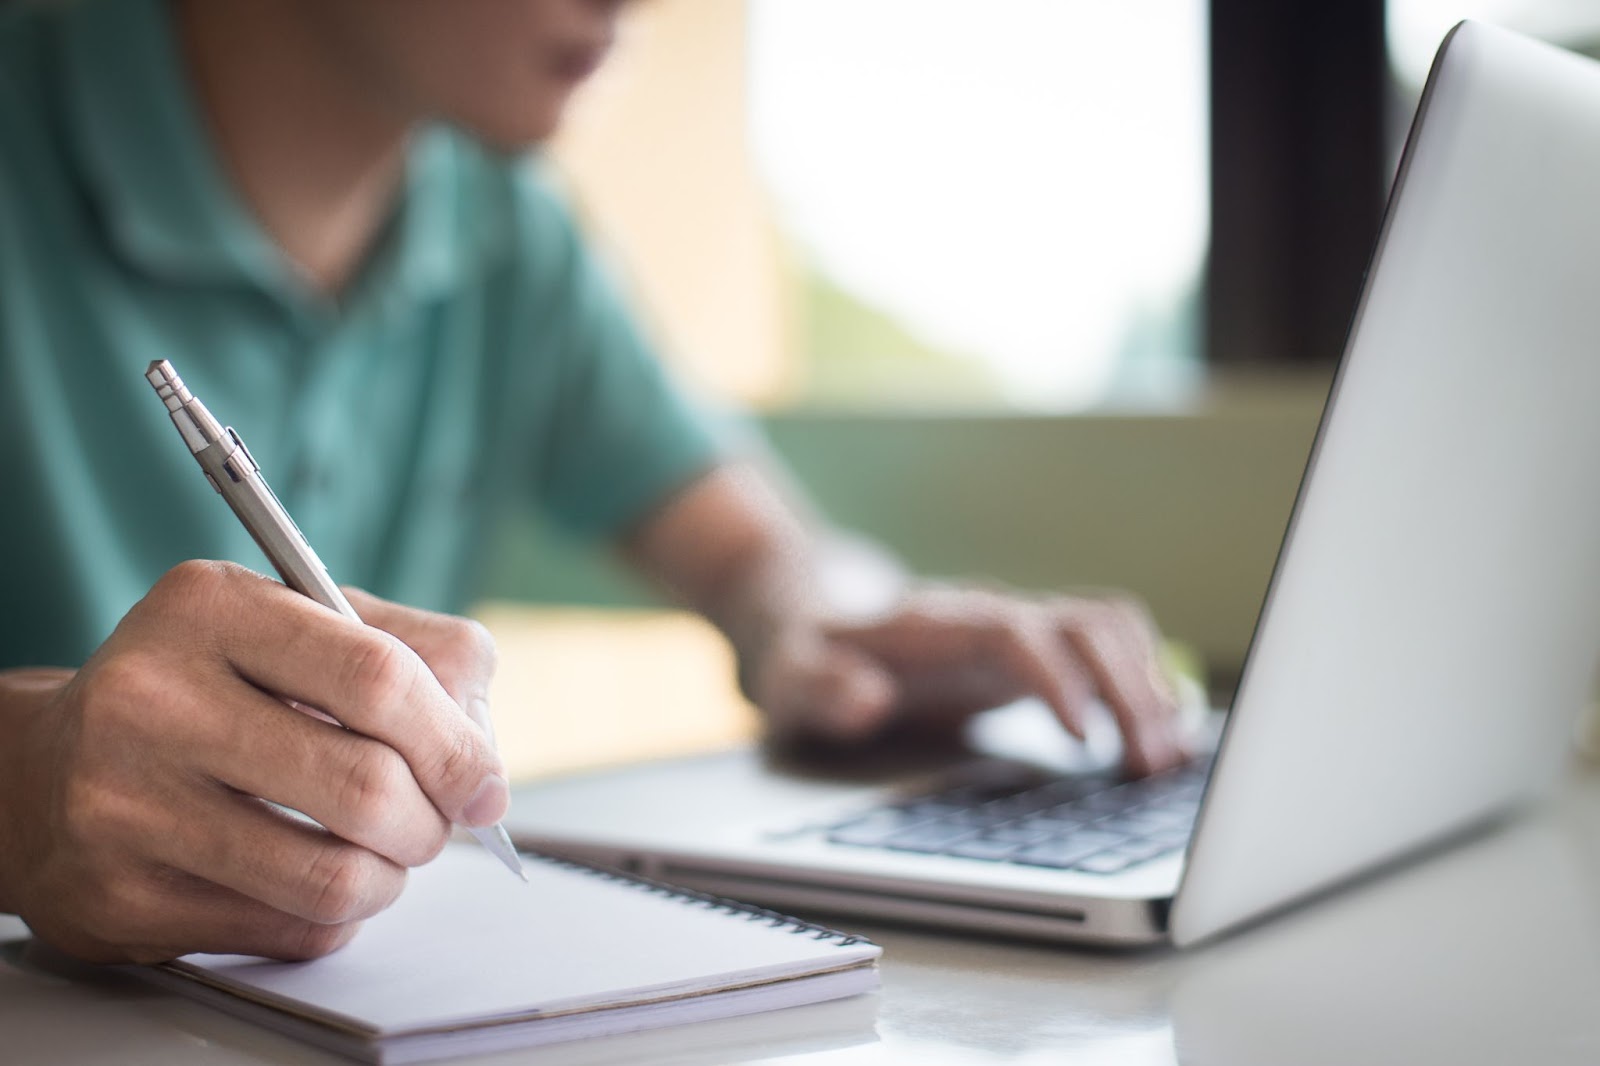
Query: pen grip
<point x="288" y="551"/>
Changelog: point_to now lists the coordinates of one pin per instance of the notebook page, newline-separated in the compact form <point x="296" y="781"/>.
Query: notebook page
<point x="467" y="943"/>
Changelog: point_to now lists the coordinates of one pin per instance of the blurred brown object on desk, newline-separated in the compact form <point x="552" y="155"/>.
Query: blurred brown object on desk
<point x="581" y="688"/>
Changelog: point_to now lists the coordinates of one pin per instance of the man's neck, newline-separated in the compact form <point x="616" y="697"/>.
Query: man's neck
<point x="312" y="147"/>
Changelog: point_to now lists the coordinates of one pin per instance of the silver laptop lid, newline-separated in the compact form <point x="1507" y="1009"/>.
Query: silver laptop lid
<point x="1433" y="623"/>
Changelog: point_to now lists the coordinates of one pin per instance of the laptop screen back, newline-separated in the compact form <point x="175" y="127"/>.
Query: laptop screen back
<point x="1433" y="623"/>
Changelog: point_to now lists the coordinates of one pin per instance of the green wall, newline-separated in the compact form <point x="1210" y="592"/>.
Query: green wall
<point x="1186" y="509"/>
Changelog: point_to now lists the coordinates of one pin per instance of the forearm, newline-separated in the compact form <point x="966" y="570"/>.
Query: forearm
<point x="730" y="548"/>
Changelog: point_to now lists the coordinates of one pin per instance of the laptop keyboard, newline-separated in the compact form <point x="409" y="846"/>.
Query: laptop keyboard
<point x="1091" y="824"/>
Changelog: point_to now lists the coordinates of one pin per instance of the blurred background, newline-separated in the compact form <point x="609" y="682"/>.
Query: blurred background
<point x="1046" y="292"/>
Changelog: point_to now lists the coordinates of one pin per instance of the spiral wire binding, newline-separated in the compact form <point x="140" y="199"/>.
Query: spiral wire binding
<point x="775" y="919"/>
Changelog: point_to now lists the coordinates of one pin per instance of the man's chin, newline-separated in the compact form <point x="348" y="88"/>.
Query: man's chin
<point x="516" y="135"/>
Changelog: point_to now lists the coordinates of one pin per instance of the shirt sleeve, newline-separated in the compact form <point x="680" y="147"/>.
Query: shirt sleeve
<point x="624" y="435"/>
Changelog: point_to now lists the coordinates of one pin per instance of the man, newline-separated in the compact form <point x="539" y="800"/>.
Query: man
<point x="310" y="206"/>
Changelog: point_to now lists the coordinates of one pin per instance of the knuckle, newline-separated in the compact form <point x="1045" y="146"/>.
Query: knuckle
<point x="995" y="631"/>
<point x="89" y="812"/>
<point x="109" y="908"/>
<point x="373" y="782"/>
<point x="461" y="654"/>
<point x="390" y="893"/>
<point x="1012" y="634"/>
<point x="1106" y="616"/>
<point x="966" y="607"/>
<point x="193" y="580"/>
<point x="379" y="670"/>
<point x="475" y="644"/>
<point x="310" y="940"/>
<point x="119" y="682"/>
<point x="122" y="908"/>
<point x="457" y="761"/>
<point x="1083" y="624"/>
<point x="430" y="841"/>
<point x="1127" y="605"/>
<point x="339" y="884"/>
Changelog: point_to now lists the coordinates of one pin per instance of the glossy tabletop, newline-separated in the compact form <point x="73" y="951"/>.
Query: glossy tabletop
<point x="1487" y="951"/>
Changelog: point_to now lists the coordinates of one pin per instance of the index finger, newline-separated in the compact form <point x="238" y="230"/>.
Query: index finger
<point x="459" y="651"/>
<point x="1116" y="650"/>
<point x="369" y="681"/>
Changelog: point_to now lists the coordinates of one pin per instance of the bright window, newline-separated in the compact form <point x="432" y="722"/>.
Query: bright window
<point x="986" y="202"/>
<point x="944" y="204"/>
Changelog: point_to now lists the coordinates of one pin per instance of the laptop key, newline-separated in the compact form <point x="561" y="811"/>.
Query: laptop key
<point x="1170" y="838"/>
<point x="1153" y="789"/>
<point x="1076" y="787"/>
<point x="1059" y="817"/>
<point x="1190" y="787"/>
<point x="1105" y="862"/>
<point x="1167" y="817"/>
<point x="987" y="814"/>
<point x="1023" y="832"/>
<point x="982" y="847"/>
<point x="931" y="837"/>
<point x="1133" y="822"/>
<point x="1116" y="799"/>
<point x="1070" y="849"/>
<point x="1053" y="822"/>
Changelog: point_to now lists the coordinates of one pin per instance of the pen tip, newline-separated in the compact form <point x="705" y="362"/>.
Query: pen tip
<point x="499" y="844"/>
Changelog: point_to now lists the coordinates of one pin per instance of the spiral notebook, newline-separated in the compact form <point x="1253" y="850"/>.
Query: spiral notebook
<point x="470" y="960"/>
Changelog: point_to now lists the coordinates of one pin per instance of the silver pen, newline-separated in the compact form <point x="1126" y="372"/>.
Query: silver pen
<point x="233" y="472"/>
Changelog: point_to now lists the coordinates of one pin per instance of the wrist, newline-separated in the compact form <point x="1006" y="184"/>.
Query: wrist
<point x="789" y="598"/>
<point x="759" y="611"/>
<point x="757" y="638"/>
<point x="24" y="695"/>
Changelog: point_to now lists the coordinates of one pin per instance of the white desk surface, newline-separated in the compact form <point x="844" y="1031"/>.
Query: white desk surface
<point x="1488" y="952"/>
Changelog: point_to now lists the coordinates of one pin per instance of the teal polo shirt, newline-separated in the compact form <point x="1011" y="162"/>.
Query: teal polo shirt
<point x="481" y="360"/>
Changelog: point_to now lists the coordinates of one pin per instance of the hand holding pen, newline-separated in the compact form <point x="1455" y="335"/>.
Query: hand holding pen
<point x="143" y="773"/>
<point x="233" y="473"/>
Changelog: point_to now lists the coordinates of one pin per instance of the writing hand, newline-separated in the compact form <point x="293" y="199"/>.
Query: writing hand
<point x="133" y="821"/>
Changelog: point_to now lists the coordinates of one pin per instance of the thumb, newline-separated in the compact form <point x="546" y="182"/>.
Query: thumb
<point x="854" y="696"/>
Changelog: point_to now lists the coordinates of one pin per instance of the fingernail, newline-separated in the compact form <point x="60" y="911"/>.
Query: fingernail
<point x="489" y="804"/>
<point x="478" y="711"/>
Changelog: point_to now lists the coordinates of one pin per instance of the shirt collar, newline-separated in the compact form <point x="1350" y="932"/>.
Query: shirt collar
<point x="167" y="205"/>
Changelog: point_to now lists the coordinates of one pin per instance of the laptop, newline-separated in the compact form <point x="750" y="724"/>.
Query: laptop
<point x="1430" y="631"/>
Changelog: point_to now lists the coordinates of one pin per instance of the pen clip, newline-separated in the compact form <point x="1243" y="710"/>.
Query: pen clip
<point x="239" y="473"/>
